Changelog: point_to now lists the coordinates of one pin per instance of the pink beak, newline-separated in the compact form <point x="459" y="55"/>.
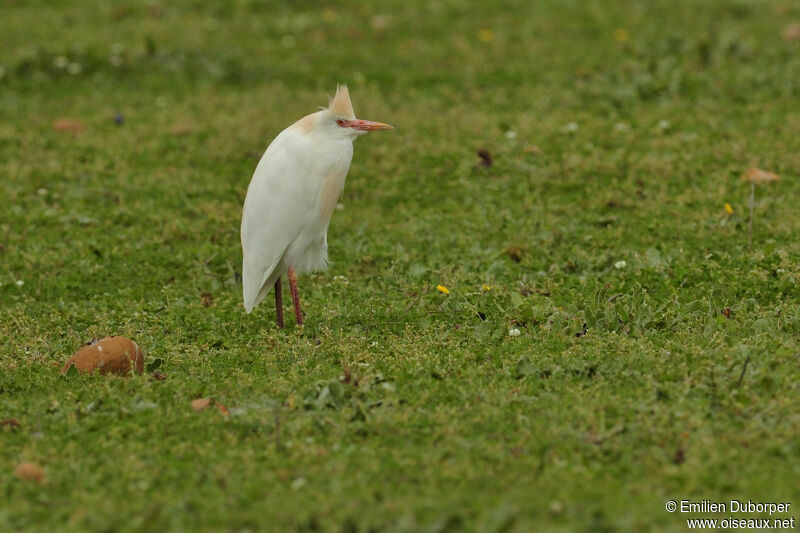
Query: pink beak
<point x="366" y="125"/>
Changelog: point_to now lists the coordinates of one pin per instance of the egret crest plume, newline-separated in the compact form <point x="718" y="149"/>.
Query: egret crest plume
<point x="340" y="104"/>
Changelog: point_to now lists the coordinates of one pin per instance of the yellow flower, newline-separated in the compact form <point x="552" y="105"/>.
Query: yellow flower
<point x="621" y="35"/>
<point x="485" y="35"/>
<point x="728" y="208"/>
<point x="486" y="288"/>
<point x="443" y="289"/>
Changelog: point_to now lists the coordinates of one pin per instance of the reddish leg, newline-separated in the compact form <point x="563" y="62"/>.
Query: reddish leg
<point x="278" y="303"/>
<point x="298" y="315"/>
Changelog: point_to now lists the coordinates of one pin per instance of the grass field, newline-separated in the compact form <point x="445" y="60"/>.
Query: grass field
<point x="617" y="131"/>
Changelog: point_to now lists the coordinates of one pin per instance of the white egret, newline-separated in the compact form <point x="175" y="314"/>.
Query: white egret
<point x="291" y="198"/>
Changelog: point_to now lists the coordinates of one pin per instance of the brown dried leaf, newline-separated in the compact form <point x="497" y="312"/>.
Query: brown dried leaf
<point x="113" y="354"/>
<point x="68" y="125"/>
<point x="201" y="403"/>
<point x="758" y="176"/>
<point x="680" y="455"/>
<point x="486" y="158"/>
<point x="12" y="423"/>
<point x="222" y="409"/>
<point x="206" y="299"/>
<point x="29" y="472"/>
<point x="515" y="252"/>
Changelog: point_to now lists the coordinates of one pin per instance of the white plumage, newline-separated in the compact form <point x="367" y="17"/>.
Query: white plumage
<point x="292" y="196"/>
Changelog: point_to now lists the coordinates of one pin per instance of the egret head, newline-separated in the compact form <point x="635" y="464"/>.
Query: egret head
<point x="341" y="120"/>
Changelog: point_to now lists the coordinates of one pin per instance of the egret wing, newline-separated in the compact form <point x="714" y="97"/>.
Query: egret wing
<point x="272" y="218"/>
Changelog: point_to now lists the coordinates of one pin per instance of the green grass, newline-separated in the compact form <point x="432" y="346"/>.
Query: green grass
<point x="397" y="407"/>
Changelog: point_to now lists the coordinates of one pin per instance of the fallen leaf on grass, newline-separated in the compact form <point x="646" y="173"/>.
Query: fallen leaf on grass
<point x="68" y="125"/>
<point x="222" y="409"/>
<point x="201" y="403"/>
<point x="486" y="158"/>
<point x="758" y="176"/>
<point x="29" y="472"/>
<point x="112" y="354"/>
<point x="680" y="456"/>
<point x="12" y="423"/>
<point x="515" y="252"/>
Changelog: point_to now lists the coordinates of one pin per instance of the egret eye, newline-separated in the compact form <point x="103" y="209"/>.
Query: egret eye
<point x="340" y="122"/>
